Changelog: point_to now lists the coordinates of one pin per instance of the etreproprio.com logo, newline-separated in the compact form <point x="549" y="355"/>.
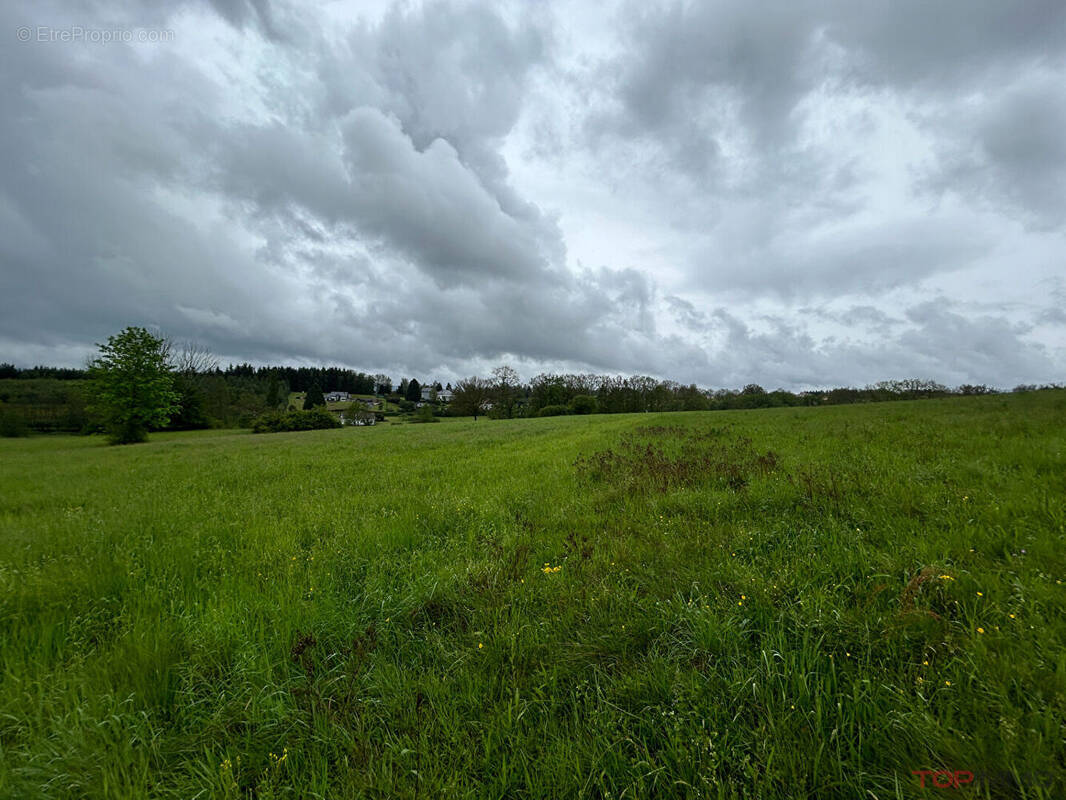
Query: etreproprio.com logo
<point x="77" y="34"/>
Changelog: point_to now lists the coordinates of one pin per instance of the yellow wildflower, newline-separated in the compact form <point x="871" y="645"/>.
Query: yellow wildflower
<point x="980" y="630"/>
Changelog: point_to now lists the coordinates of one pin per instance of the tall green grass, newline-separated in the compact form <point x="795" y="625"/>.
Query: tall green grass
<point x="773" y="604"/>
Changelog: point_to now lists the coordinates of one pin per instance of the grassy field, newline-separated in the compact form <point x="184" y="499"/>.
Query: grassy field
<point x="773" y="604"/>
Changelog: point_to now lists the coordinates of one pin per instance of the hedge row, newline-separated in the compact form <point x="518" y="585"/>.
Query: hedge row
<point x="279" y="422"/>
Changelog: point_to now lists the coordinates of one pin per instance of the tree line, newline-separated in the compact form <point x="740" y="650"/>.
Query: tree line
<point x="550" y="394"/>
<point x="192" y="390"/>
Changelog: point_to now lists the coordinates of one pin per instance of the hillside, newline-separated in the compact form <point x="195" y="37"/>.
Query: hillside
<point x="777" y="603"/>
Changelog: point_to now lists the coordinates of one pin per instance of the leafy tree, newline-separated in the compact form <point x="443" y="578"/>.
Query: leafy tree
<point x="505" y="392"/>
<point x="584" y="404"/>
<point x="132" y="385"/>
<point x="414" y="391"/>
<point x="273" y="398"/>
<point x="313" y="397"/>
<point x="188" y="411"/>
<point x="360" y="414"/>
<point x="470" y="397"/>
<point x="970" y="389"/>
<point x="691" y="398"/>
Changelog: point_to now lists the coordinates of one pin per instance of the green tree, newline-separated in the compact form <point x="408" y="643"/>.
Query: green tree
<point x="505" y="389"/>
<point x="273" y="398"/>
<point x="188" y="413"/>
<point x="314" y="397"/>
<point x="131" y="386"/>
<point x="414" y="391"/>
<point x="470" y="397"/>
<point x="584" y="404"/>
<point x="424" y="414"/>
<point x="360" y="414"/>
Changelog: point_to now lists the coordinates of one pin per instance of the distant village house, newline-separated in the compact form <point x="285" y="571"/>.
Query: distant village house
<point x="441" y="395"/>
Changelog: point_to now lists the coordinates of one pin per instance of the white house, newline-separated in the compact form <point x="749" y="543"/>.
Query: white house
<point x="443" y="395"/>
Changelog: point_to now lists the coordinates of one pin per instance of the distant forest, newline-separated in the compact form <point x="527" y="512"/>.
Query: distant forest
<point x="52" y="399"/>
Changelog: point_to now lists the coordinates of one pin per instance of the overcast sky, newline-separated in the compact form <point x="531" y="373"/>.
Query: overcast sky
<point x="795" y="194"/>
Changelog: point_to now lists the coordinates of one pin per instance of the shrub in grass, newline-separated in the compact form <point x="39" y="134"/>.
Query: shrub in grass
<point x="424" y="414"/>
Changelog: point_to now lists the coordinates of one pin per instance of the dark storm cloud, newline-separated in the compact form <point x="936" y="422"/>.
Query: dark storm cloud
<point x="679" y="56"/>
<point x="371" y="176"/>
<point x="1011" y="151"/>
<point x="705" y="192"/>
<point x="247" y="12"/>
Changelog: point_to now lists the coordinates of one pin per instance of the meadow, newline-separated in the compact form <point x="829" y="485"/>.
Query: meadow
<point x="783" y="603"/>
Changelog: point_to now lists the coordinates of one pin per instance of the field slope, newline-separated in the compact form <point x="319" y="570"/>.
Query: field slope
<point x="775" y="604"/>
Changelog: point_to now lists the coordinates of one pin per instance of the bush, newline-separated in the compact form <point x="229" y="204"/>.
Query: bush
<point x="424" y="414"/>
<point x="406" y="405"/>
<point x="553" y="411"/>
<point x="584" y="404"/>
<point x="275" y="422"/>
<point x="12" y="424"/>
